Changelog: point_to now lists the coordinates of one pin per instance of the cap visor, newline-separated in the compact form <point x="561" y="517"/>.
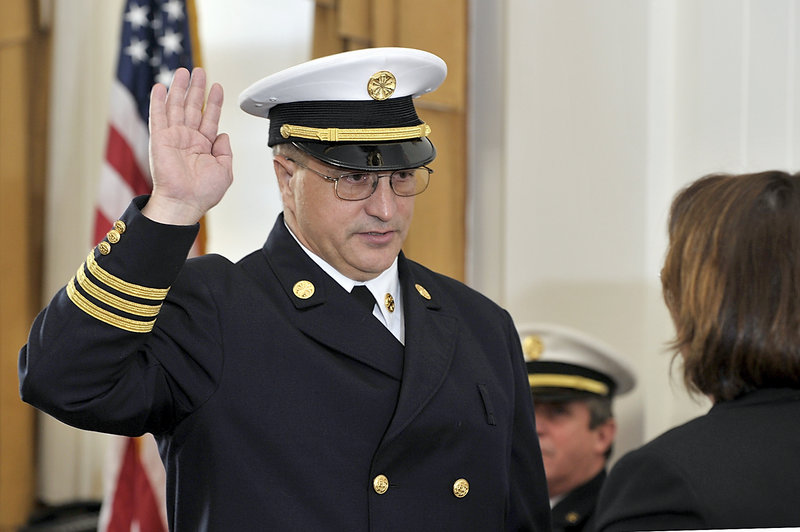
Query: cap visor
<point x="371" y="157"/>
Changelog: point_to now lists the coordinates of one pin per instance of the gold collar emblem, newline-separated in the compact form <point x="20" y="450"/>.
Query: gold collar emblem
<point x="388" y="301"/>
<point x="303" y="289"/>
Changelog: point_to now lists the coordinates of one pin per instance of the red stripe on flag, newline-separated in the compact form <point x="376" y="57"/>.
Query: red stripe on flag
<point x="101" y="225"/>
<point x="121" y="158"/>
<point x="134" y="501"/>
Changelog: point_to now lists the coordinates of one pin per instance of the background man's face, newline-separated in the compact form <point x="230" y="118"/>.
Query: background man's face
<point x="572" y="452"/>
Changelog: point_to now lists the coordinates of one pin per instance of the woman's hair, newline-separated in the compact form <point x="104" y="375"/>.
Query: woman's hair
<point x="731" y="281"/>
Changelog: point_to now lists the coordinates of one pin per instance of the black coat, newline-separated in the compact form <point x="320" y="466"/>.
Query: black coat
<point x="274" y="412"/>
<point x="735" y="467"/>
<point x="575" y="512"/>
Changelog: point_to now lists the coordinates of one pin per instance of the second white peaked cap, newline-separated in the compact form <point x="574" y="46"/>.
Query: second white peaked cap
<point x="344" y="77"/>
<point x="561" y="360"/>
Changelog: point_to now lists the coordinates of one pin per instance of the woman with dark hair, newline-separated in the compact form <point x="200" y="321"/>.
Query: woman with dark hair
<point x="731" y="281"/>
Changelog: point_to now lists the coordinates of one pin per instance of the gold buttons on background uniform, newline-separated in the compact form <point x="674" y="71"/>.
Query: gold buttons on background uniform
<point x="460" y="488"/>
<point x="113" y="236"/>
<point x="104" y="248"/>
<point x="380" y="484"/>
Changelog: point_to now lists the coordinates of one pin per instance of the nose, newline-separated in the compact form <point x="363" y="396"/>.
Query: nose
<point x="383" y="202"/>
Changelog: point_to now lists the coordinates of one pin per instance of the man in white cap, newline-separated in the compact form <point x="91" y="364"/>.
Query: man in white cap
<point x="279" y="400"/>
<point x="573" y="379"/>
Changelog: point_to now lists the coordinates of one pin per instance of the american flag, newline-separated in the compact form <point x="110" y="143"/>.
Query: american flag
<point x="156" y="38"/>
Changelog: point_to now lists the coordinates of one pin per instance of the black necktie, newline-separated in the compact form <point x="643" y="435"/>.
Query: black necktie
<point x="364" y="296"/>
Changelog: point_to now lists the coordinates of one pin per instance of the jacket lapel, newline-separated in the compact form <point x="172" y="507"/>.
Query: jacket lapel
<point x="430" y="344"/>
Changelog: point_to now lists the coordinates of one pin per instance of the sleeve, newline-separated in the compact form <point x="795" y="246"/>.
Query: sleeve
<point x="108" y="352"/>
<point x="646" y="491"/>
<point x="529" y="505"/>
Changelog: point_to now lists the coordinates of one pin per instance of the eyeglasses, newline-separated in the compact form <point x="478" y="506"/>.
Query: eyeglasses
<point x="357" y="186"/>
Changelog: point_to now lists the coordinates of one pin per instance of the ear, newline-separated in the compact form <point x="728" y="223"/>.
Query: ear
<point x="284" y="170"/>
<point x="604" y="435"/>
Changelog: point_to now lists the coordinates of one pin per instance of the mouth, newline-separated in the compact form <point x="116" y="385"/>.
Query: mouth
<point x="378" y="237"/>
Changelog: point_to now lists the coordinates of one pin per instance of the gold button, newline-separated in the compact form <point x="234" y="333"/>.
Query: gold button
<point x="380" y="484"/>
<point x="388" y="300"/>
<point x="104" y="248"/>
<point x="421" y="289"/>
<point x="120" y="226"/>
<point x="303" y="289"/>
<point x="113" y="236"/>
<point x="573" y="517"/>
<point x="461" y="488"/>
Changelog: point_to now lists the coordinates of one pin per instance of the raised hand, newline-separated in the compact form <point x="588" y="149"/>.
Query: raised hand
<point x="190" y="162"/>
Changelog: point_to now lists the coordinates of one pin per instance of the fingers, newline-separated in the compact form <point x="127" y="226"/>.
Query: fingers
<point x="176" y="96"/>
<point x="193" y="106"/>
<point x="158" y="116"/>
<point x="210" y="118"/>
<point x="182" y="104"/>
<point x="222" y="146"/>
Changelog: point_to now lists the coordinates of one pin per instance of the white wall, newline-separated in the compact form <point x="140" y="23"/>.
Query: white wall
<point x="610" y="107"/>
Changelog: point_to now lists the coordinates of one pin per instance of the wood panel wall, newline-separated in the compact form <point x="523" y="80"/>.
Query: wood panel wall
<point x="24" y="68"/>
<point x="438" y="234"/>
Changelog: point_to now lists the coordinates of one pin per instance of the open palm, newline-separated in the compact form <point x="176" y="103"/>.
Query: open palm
<point x="191" y="163"/>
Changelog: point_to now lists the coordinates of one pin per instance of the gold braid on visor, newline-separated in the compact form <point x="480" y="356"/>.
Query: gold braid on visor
<point x="335" y="134"/>
<point x="545" y="380"/>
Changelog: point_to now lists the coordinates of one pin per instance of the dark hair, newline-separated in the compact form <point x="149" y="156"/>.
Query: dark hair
<point x="731" y="281"/>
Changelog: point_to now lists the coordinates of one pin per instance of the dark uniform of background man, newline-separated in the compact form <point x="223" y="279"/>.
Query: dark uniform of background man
<point x="573" y="379"/>
<point x="279" y="401"/>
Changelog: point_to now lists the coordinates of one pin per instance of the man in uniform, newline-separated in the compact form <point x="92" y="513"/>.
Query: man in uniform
<point x="573" y="379"/>
<point x="324" y="382"/>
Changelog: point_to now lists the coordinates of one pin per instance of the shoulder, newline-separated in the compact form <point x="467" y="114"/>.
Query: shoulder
<point x="653" y="484"/>
<point x="450" y="292"/>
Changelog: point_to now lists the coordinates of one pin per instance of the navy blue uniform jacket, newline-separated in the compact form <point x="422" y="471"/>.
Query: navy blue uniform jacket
<point x="575" y="512"/>
<point x="279" y="412"/>
<point x="735" y="467"/>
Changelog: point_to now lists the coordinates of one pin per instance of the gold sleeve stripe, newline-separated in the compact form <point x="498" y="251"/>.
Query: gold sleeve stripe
<point x="135" y="290"/>
<point x="105" y="316"/>
<point x="545" y="380"/>
<point x="335" y="134"/>
<point x="145" y="311"/>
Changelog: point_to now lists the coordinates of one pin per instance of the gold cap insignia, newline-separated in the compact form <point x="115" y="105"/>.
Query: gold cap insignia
<point x="533" y="347"/>
<point x="381" y="85"/>
<point x="303" y="289"/>
<point x="388" y="300"/>
<point x="421" y="289"/>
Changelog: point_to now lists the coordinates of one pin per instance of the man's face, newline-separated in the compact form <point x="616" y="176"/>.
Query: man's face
<point x="358" y="238"/>
<point x="572" y="452"/>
